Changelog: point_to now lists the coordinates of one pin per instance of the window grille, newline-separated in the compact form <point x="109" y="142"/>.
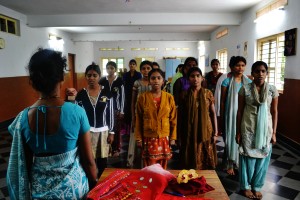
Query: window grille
<point x="118" y="61"/>
<point x="222" y="57"/>
<point x="271" y="51"/>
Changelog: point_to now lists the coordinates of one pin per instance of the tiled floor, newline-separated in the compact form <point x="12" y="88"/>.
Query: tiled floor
<point x="282" y="182"/>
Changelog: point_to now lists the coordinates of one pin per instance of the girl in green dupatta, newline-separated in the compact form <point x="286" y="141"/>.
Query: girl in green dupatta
<point x="198" y="148"/>
<point x="256" y="130"/>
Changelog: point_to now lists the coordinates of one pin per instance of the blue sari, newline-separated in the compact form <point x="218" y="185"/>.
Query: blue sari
<point x="54" y="177"/>
<point x="58" y="177"/>
<point x="17" y="174"/>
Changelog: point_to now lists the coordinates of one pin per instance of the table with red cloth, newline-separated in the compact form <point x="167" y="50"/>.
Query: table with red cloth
<point x="210" y="176"/>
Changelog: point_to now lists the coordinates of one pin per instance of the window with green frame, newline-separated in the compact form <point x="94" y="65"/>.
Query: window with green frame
<point x="271" y="51"/>
<point x="8" y="25"/>
<point x="118" y="61"/>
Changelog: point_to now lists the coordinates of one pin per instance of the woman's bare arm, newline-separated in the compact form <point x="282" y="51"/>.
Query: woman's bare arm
<point x="213" y="117"/>
<point x="86" y="157"/>
<point x="274" y="113"/>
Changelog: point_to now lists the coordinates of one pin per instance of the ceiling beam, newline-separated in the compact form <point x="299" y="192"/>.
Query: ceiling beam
<point x="191" y="37"/>
<point x="133" y="19"/>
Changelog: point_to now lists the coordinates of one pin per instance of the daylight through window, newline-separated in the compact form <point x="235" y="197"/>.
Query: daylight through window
<point x="118" y="61"/>
<point x="222" y="57"/>
<point x="271" y="51"/>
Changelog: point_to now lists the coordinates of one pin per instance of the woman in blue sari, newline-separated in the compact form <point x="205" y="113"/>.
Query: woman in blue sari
<point x="51" y="155"/>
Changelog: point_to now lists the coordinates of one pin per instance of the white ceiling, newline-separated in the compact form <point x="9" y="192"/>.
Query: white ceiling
<point x="131" y="16"/>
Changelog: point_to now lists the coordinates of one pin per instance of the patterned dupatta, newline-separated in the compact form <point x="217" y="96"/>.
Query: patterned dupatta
<point x="17" y="174"/>
<point x="261" y="131"/>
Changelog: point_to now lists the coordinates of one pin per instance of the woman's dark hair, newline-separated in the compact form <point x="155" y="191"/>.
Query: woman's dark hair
<point x="112" y="63"/>
<point x="194" y="69"/>
<point x="257" y="64"/>
<point x="94" y="67"/>
<point x="156" y="70"/>
<point x="155" y="63"/>
<point x="179" y="66"/>
<point x="189" y="59"/>
<point x="132" y="61"/>
<point x="214" y="60"/>
<point x="238" y="59"/>
<point x="46" y="69"/>
<point x="231" y="61"/>
<point x="145" y="62"/>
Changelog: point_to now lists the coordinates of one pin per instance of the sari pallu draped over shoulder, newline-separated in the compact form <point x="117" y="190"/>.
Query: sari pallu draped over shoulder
<point x="17" y="174"/>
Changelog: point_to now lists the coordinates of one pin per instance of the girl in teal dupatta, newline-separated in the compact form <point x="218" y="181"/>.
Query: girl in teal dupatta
<point x="229" y="105"/>
<point x="51" y="156"/>
<point x="256" y="130"/>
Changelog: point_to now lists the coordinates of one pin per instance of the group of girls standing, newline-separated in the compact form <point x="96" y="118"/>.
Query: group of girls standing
<point x="248" y="122"/>
<point x="59" y="134"/>
<point x="106" y="103"/>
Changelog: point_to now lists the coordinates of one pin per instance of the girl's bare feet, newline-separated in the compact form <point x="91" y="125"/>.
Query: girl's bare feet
<point x="231" y="172"/>
<point x="249" y="194"/>
<point x="257" y="194"/>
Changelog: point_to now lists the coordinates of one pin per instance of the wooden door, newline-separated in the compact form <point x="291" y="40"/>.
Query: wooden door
<point x="70" y="79"/>
<point x="71" y="66"/>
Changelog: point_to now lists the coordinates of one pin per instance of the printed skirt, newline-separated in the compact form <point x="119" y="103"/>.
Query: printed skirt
<point x="156" y="149"/>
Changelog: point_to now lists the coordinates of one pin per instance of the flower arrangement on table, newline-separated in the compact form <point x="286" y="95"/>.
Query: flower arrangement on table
<point x="185" y="175"/>
<point x="188" y="182"/>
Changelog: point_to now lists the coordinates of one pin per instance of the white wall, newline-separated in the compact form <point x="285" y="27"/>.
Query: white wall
<point x="84" y="55"/>
<point x="158" y="55"/>
<point x="250" y="32"/>
<point x="18" y="49"/>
